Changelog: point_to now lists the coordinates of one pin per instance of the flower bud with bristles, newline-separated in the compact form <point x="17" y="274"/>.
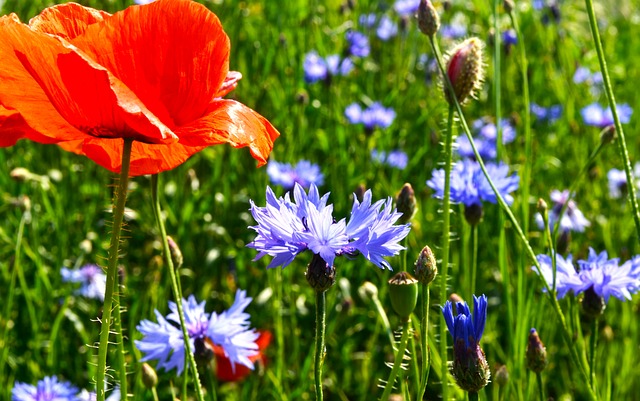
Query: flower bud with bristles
<point x="320" y="275"/>
<point x="536" y="353"/>
<point x="426" y="267"/>
<point x="465" y="70"/>
<point x="428" y="18"/>
<point x="406" y="203"/>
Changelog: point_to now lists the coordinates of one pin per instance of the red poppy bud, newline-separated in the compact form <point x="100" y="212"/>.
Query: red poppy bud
<point x="465" y="70"/>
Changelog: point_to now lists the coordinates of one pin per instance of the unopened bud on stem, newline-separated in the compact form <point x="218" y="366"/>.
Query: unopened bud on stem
<point x="465" y="70"/>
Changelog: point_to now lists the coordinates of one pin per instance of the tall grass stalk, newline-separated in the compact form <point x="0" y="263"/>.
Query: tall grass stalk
<point x="111" y="298"/>
<point x="621" y="141"/>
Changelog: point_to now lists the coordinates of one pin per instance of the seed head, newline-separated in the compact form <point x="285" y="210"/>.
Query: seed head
<point x="403" y="291"/>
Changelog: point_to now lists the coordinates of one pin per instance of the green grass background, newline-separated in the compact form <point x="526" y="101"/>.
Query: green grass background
<point x="46" y="330"/>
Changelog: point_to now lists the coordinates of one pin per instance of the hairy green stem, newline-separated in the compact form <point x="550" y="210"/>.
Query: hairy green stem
<point x="175" y="287"/>
<point x="473" y="396"/>
<point x="117" y="326"/>
<point x="540" y="386"/>
<point x="321" y="316"/>
<point x="593" y="347"/>
<point x="474" y="260"/>
<point x="110" y="295"/>
<point x="397" y="363"/>
<point x="516" y="226"/>
<point x="424" y="335"/>
<point x="622" y="144"/>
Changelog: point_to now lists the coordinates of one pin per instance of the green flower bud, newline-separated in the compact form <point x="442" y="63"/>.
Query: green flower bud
<point x="149" y="376"/>
<point x="403" y="291"/>
<point x="426" y="267"/>
<point x="176" y="253"/>
<point x="501" y="377"/>
<point x="428" y="18"/>
<point x="406" y="203"/>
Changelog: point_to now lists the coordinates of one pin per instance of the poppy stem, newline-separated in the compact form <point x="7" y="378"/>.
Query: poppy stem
<point x="397" y="363"/>
<point x="321" y="314"/>
<point x="175" y="286"/>
<point x="111" y="299"/>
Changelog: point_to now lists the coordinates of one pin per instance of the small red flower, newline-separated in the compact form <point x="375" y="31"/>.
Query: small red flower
<point x="86" y="79"/>
<point x="225" y="372"/>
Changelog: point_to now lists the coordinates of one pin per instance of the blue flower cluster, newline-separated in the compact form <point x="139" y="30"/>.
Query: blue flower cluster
<point x="485" y="138"/>
<point x="317" y="68"/>
<point x="304" y="173"/>
<point x="549" y="114"/>
<point x="396" y="158"/>
<point x="584" y="75"/>
<point x="51" y="389"/>
<point x="606" y="277"/>
<point x="573" y="218"/>
<point x="92" y="278"/>
<point x="372" y="117"/>
<point x="618" y="181"/>
<point x="384" y="26"/>
<point x="358" y="44"/>
<point x="406" y="7"/>
<point x="597" y="116"/>
<point x="470" y="187"/>
<point x="286" y="228"/>
<point x="164" y="342"/>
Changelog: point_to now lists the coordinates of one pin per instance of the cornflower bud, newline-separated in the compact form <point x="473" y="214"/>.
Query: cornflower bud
<point x="149" y="376"/>
<point x="319" y="274"/>
<point x="426" y="267"/>
<point x="465" y="70"/>
<point x="536" y="353"/>
<point x="501" y="377"/>
<point x="508" y="6"/>
<point x="403" y="291"/>
<point x="406" y="203"/>
<point x="608" y="134"/>
<point x="428" y="18"/>
<point x="593" y="305"/>
<point x="473" y="213"/>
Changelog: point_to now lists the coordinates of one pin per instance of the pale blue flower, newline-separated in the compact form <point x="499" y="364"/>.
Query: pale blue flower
<point x="91" y="277"/>
<point x="47" y="389"/>
<point x="304" y="173"/>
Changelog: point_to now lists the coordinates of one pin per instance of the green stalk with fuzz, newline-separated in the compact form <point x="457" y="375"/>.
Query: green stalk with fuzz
<point x="397" y="363"/>
<point x="111" y="299"/>
<point x="321" y="317"/>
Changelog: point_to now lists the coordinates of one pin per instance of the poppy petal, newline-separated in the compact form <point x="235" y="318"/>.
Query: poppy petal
<point x="13" y="127"/>
<point x="228" y="121"/>
<point x="173" y="54"/>
<point x="21" y="94"/>
<point x="145" y="158"/>
<point x="230" y="83"/>
<point x="66" y="20"/>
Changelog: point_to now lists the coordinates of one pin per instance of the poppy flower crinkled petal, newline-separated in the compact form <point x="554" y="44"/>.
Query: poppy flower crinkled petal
<point x="86" y="79"/>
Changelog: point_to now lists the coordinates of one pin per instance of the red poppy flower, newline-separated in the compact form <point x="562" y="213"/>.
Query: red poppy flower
<point x="225" y="372"/>
<point x="154" y="73"/>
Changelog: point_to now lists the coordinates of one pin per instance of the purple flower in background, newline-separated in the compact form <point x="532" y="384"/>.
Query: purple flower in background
<point x="317" y="68"/>
<point x="453" y="31"/>
<point x="164" y="342"/>
<point x="384" y="26"/>
<point x="470" y="187"/>
<point x="304" y="173"/>
<point x="406" y="7"/>
<point x="372" y="117"/>
<point x="572" y="220"/>
<point x="368" y="20"/>
<point x="546" y="114"/>
<point x="618" y="181"/>
<point x="141" y="2"/>
<point x="583" y="74"/>
<point x="92" y="278"/>
<point x="358" y="44"/>
<point x="509" y="38"/>
<point x="47" y="389"/>
<point x="287" y="228"/>
<point x="597" y="116"/>
<point x="604" y="276"/>
<point x="485" y="138"/>
<point x="396" y="158"/>
<point x="538" y="4"/>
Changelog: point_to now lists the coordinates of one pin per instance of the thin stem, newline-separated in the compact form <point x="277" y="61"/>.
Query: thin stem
<point x="622" y="144"/>
<point x="175" y="286"/>
<point x="554" y="302"/>
<point x="424" y="335"/>
<point x="474" y="259"/>
<point x="321" y="315"/>
<point x="540" y="386"/>
<point x="111" y="296"/>
<point x="496" y="77"/>
<point x="446" y="222"/>
<point x="473" y="396"/>
<point x="415" y="373"/>
<point x="154" y="392"/>
<point x="593" y="347"/>
<point x="397" y="363"/>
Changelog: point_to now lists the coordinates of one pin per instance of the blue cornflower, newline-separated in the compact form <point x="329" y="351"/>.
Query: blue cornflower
<point x="470" y="368"/>
<point x="164" y="342"/>
<point x="47" y="389"/>
<point x="509" y="37"/>
<point x="453" y="31"/>
<point x="618" y="181"/>
<point x="598" y="116"/>
<point x="572" y="220"/>
<point x="546" y="114"/>
<point x="604" y="276"/>
<point x="91" y="277"/>
<point x="141" y="2"/>
<point x="384" y="26"/>
<point x="396" y="158"/>
<point x="317" y="68"/>
<point x="304" y="173"/>
<point x="470" y="187"/>
<point x="406" y="7"/>
<point x="85" y="395"/>
<point x="358" y="44"/>
<point x="485" y="138"/>
<point x="583" y="74"/>
<point x="374" y="116"/>
<point x="286" y="228"/>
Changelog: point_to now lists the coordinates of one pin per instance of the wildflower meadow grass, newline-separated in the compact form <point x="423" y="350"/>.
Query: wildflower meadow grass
<point x="296" y="277"/>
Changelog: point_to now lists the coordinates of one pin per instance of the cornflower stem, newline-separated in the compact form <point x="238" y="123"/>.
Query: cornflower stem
<point x="397" y="362"/>
<point x="593" y="346"/>
<point x="622" y="144"/>
<point x="473" y="396"/>
<point x="415" y="372"/>
<point x="279" y="325"/>
<point x="424" y="335"/>
<point x="321" y="317"/>
<point x="154" y="393"/>
<point x="540" y="387"/>
<point x="111" y="299"/>
<point x="516" y="226"/>
<point x="474" y="259"/>
<point x="496" y="77"/>
<point x="175" y="287"/>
